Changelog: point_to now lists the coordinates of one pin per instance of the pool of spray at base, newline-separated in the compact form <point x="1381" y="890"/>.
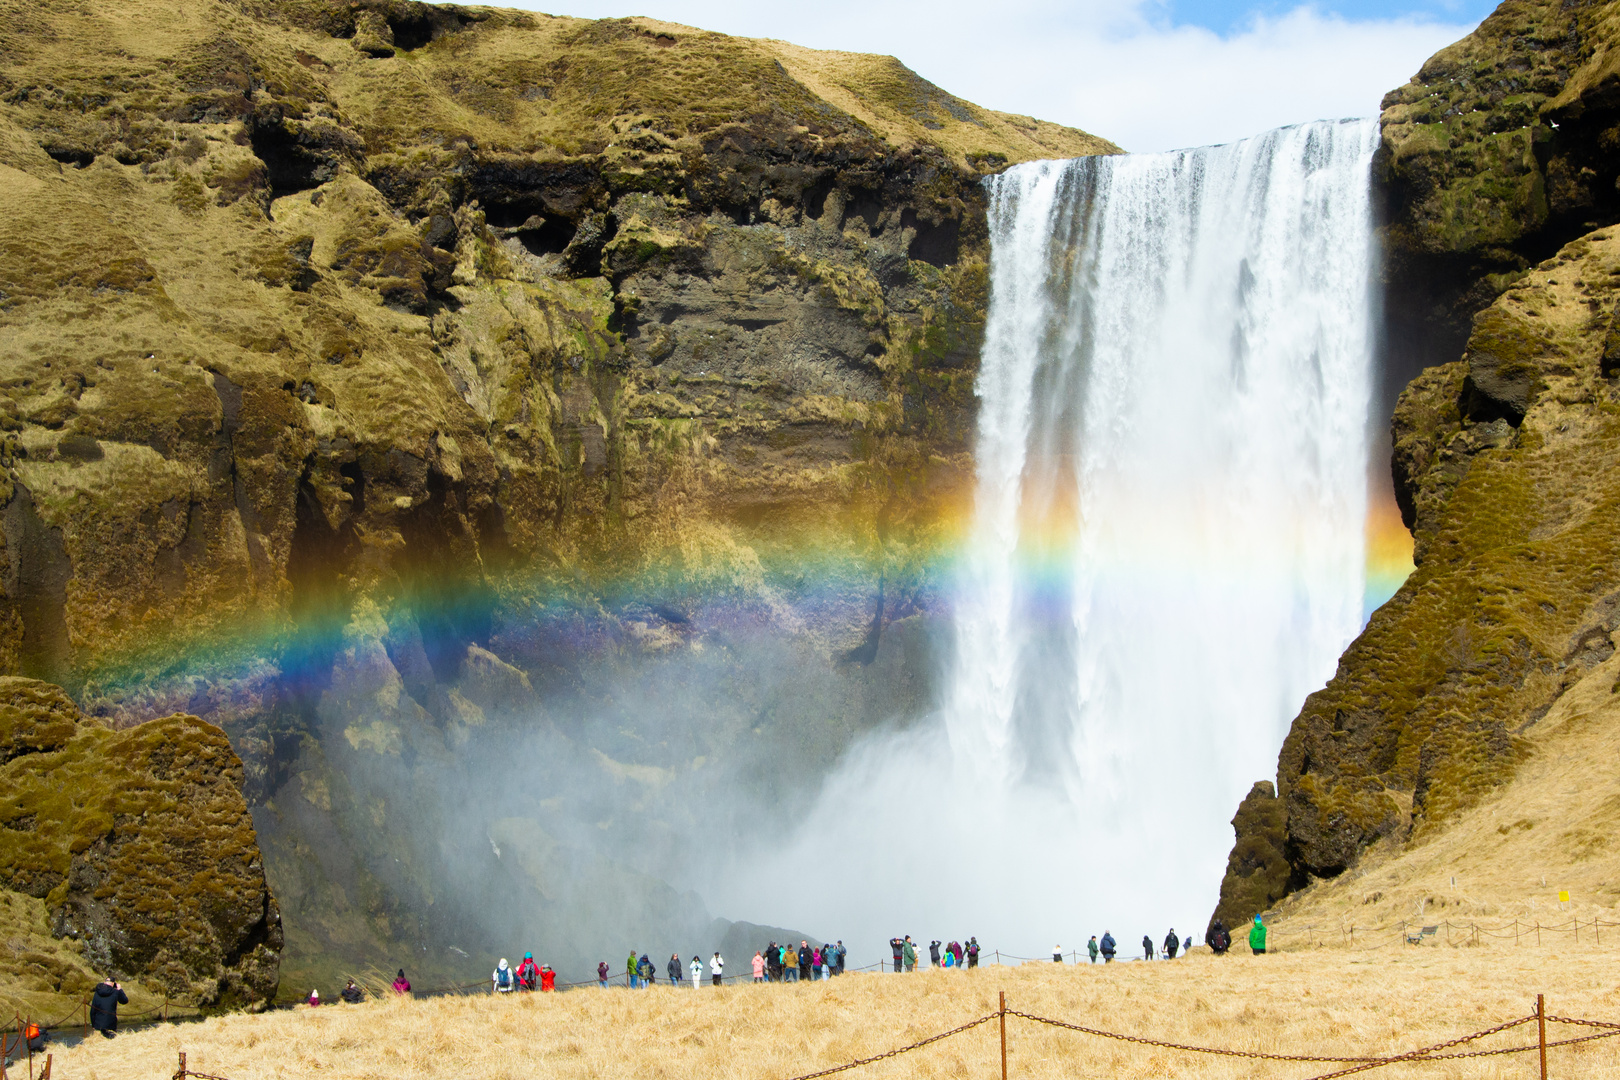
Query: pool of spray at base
<point x="1166" y="556"/>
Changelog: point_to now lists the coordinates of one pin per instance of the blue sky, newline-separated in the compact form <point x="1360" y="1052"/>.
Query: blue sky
<point x="1224" y="16"/>
<point x="1148" y="74"/>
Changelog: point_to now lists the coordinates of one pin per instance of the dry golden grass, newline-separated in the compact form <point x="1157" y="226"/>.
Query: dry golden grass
<point x="1316" y="1002"/>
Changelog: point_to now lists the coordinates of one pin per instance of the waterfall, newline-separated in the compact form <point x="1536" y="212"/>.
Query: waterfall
<point x="1166" y="554"/>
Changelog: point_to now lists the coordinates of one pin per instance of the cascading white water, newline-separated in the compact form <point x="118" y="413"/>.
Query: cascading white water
<point x="1166" y="554"/>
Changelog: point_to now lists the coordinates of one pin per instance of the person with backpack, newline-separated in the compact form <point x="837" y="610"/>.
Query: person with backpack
<point x="649" y="972"/>
<point x="1147" y="947"/>
<point x="1217" y="938"/>
<point x="973" y="952"/>
<point x="401" y="984"/>
<point x="759" y="967"/>
<point x="948" y="961"/>
<point x="601" y="974"/>
<point x="717" y="965"/>
<point x="933" y="952"/>
<point x="697" y="972"/>
<point x="502" y="981"/>
<point x="351" y="993"/>
<point x="548" y="978"/>
<point x="1186" y="945"/>
<point x="1091" y="948"/>
<point x="674" y="969"/>
<point x="528" y="972"/>
<point x="104" y="1007"/>
<point x="1171" y="944"/>
<point x="1257" y="937"/>
<point x="1108" y="947"/>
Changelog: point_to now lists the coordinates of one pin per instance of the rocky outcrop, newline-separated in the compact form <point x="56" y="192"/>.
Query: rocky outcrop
<point x="466" y="387"/>
<point x="141" y="847"/>
<point x="1502" y="149"/>
<point x="1516" y="595"/>
<point x="1257" y="872"/>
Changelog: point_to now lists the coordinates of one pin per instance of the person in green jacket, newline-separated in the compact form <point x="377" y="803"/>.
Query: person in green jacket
<point x="909" y="954"/>
<point x="1091" y="947"/>
<point x="1257" y="937"/>
<point x="630" y="970"/>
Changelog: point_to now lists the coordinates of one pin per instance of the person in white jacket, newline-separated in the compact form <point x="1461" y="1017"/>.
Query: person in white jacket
<point x="505" y="982"/>
<point x="716" y="966"/>
<point x="697" y="973"/>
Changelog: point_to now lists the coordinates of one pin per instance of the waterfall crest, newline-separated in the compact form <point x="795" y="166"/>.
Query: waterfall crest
<point x="1166" y="554"/>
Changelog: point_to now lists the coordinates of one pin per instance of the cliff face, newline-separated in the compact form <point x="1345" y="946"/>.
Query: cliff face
<point x="434" y="394"/>
<point x="1498" y="172"/>
<point x="142" y="850"/>
<point x="1502" y="149"/>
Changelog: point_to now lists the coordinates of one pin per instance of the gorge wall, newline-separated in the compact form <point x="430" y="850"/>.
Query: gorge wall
<point x="1498" y="174"/>
<point x="464" y="408"/>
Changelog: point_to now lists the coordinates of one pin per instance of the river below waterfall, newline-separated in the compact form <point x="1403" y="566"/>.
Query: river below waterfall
<point x="1166" y="553"/>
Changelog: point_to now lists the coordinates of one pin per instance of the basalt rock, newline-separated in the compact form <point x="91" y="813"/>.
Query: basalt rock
<point x="140" y="845"/>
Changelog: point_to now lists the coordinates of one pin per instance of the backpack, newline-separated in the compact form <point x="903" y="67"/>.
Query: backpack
<point x="504" y="977"/>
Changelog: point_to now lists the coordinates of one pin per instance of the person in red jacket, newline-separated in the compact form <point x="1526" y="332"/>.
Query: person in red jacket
<point x="548" y="978"/>
<point x="528" y="972"/>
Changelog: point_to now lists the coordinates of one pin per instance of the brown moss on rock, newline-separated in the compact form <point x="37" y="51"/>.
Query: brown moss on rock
<point x="141" y="847"/>
<point x="1257" y="871"/>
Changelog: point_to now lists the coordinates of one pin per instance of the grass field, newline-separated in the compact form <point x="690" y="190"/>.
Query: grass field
<point x="1321" y="1002"/>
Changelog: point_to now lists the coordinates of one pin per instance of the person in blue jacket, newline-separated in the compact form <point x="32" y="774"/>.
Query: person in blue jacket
<point x="1109" y="947"/>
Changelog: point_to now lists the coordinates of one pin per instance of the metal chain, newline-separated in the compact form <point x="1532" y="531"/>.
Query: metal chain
<point x="901" y="1050"/>
<point x="1582" y="1023"/>
<point x="1365" y="1062"/>
<point x="1427" y="1053"/>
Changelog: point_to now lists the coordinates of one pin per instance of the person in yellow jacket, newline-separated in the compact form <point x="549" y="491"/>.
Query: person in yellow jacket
<point x="1257" y="937"/>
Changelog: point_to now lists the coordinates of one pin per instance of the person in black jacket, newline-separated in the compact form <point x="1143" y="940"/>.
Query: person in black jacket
<point x="1217" y="938"/>
<point x="898" y="945"/>
<point x="1171" y="944"/>
<point x="933" y="952"/>
<point x="104" y="1007"/>
<point x="1147" y="947"/>
<point x="805" y="956"/>
<point x="351" y="993"/>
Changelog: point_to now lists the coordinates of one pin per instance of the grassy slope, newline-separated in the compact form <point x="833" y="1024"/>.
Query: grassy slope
<point x="1553" y="827"/>
<point x="1322" y="1003"/>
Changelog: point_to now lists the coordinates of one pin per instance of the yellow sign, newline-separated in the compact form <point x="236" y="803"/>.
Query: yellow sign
<point x="1563" y="896"/>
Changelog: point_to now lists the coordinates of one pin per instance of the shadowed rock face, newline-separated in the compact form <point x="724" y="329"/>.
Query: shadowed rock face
<point x="141" y="846"/>
<point x="409" y="388"/>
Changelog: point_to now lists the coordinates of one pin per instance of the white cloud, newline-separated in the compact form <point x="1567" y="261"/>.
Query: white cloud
<point x="1110" y="68"/>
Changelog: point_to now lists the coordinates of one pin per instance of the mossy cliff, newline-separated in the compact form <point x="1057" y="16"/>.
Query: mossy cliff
<point x="140" y="852"/>
<point x="1502" y="471"/>
<point x="406" y="387"/>
<point x="1502" y="149"/>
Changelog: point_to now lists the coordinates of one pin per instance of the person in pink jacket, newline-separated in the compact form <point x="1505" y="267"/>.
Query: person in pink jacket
<point x="759" y="968"/>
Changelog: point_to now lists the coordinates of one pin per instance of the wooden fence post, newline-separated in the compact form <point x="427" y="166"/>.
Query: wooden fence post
<point x="1541" y="1024"/>
<point x="1004" y="1036"/>
<point x="180" y="1073"/>
<point x="46" y="1075"/>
